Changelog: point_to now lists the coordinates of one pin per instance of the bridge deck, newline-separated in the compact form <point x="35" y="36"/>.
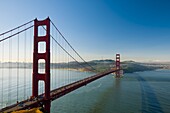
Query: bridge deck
<point x="26" y="104"/>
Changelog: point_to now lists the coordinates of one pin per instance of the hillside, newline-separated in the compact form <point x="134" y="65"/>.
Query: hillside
<point x="99" y="65"/>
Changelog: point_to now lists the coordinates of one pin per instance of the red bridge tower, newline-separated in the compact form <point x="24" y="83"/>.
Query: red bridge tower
<point x="118" y="65"/>
<point x="42" y="56"/>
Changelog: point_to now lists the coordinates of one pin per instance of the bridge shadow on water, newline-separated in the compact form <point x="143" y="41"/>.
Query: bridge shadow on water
<point x="150" y="103"/>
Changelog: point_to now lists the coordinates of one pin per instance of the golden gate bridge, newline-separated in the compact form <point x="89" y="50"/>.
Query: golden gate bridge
<point x="48" y="46"/>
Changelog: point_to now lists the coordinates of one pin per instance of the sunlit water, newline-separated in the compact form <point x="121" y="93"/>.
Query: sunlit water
<point x="141" y="92"/>
<point x="16" y="84"/>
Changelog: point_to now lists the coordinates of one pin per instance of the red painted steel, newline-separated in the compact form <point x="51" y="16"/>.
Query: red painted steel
<point x="117" y="65"/>
<point x="45" y="56"/>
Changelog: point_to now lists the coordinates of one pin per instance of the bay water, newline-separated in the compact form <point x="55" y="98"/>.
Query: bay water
<point x="139" y="92"/>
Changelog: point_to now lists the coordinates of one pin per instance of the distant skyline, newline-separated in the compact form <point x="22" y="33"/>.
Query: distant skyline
<point x="98" y="29"/>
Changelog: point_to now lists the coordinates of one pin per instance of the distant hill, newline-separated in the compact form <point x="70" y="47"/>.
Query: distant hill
<point x="102" y="61"/>
<point x="127" y="66"/>
<point x="99" y="65"/>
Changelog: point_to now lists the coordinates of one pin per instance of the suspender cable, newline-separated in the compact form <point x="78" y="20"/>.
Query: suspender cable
<point x="55" y="55"/>
<point x="65" y="63"/>
<point x="68" y="67"/>
<point x="2" y="72"/>
<point x="9" y="71"/>
<point x="18" y="67"/>
<point x="30" y="53"/>
<point x="59" y="82"/>
<point x="25" y="64"/>
<point x="68" y="52"/>
<point x="52" y="65"/>
<point x="65" y="76"/>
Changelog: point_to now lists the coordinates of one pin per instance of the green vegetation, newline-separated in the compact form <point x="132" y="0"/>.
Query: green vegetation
<point x="136" y="67"/>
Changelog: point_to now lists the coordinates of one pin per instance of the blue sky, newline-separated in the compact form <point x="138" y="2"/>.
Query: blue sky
<point x="137" y="29"/>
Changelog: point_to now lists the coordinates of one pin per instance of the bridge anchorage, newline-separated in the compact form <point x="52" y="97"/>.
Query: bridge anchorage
<point x="43" y="100"/>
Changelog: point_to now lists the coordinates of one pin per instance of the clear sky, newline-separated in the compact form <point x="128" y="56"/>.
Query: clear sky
<point x="137" y="29"/>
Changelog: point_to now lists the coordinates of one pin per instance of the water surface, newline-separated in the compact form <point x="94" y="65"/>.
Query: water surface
<point x="141" y="92"/>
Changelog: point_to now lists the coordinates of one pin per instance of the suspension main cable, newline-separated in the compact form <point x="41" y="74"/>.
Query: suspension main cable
<point x="16" y="28"/>
<point x="68" y="53"/>
<point x="16" y="33"/>
<point x="70" y="45"/>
